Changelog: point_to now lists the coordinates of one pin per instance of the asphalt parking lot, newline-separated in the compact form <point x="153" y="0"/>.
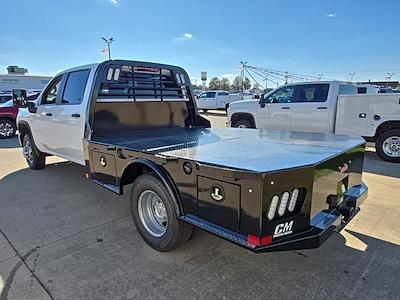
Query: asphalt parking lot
<point x="63" y="237"/>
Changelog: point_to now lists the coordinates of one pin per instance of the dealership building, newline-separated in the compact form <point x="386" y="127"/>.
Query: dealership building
<point x="16" y="79"/>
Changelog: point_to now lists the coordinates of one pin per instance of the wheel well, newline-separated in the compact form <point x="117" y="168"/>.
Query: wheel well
<point x="242" y="116"/>
<point x="140" y="167"/>
<point x="133" y="171"/>
<point x="387" y="126"/>
<point x="8" y="118"/>
<point x="23" y="129"/>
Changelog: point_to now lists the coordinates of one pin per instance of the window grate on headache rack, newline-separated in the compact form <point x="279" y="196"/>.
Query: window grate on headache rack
<point x="134" y="83"/>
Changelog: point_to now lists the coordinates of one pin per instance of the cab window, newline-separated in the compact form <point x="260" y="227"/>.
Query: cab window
<point x="50" y="95"/>
<point x="313" y="93"/>
<point x="75" y="87"/>
<point x="347" y="89"/>
<point x="283" y="95"/>
<point x="207" y="95"/>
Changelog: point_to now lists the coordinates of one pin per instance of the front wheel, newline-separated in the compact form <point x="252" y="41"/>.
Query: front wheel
<point x="153" y="211"/>
<point x="7" y="128"/>
<point x="388" y="145"/>
<point x="243" y="124"/>
<point x="35" y="159"/>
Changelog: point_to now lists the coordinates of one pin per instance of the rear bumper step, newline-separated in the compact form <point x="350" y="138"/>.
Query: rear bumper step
<point x="322" y="226"/>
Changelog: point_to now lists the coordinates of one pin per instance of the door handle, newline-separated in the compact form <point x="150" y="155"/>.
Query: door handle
<point x="75" y="115"/>
<point x="286" y="107"/>
<point x="48" y="114"/>
<point x="322" y="107"/>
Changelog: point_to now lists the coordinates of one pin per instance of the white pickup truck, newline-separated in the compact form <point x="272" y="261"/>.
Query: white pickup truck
<point x="325" y="107"/>
<point x="212" y="100"/>
<point x="131" y="122"/>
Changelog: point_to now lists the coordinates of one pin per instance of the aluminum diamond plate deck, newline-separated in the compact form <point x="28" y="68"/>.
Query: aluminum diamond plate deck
<point x="245" y="149"/>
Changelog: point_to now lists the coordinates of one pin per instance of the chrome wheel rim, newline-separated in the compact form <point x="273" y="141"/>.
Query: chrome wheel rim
<point x="152" y="213"/>
<point x="242" y="126"/>
<point x="391" y="146"/>
<point x="6" y="129"/>
<point x="27" y="151"/>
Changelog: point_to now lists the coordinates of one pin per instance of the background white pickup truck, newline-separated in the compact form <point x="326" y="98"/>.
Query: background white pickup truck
<point x="325" y="106"/>
<point x="219" y="99"/>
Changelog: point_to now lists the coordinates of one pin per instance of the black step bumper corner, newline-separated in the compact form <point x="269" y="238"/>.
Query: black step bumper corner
<point x="323" y="225"/>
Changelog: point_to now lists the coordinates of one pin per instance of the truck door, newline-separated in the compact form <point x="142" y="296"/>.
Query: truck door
<point x="276" y="112"/>
<point x="207" y="100"/>
<point x="71" y="114"/>
<point x="310" y="110"/>
<point x="222" y="99"/>
<point x="45" y="118"/>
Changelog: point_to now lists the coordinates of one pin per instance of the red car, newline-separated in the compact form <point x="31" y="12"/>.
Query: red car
<point x="8" y="117"/>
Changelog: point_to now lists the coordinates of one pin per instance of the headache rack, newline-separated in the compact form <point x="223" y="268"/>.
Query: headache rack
<point x="140" y="83"/>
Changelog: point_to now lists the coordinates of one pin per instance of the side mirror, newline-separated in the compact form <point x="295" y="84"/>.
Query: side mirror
<point x="262" y="101"/>
<point x="19" y="98"/>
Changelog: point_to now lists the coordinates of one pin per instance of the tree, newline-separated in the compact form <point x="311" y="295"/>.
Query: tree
<point x="214" y="84"/>
<point x="246" y="83"/>
<point x="224" y="84"/>
<point x="237" y="85"/>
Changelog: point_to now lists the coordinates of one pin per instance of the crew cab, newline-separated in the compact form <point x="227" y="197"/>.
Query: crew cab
<point x="325" y="107"/>
<point x="213" y="100"/>
<point x="136" y="123"/>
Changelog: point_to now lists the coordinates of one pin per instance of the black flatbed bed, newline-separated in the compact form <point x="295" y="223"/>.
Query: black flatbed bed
<point x="242" y="149"/>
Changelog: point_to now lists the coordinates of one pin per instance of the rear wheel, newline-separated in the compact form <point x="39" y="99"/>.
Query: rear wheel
<point x="153" y="211"/>
<point x="7" y="128"/>
<point x="243" y="123"/>
<point x="388" y="145"/>
<point x="35" y="159"/>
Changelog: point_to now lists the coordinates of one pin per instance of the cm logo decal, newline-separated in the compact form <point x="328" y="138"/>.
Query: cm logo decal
<point x="217" y="193"/>
<point x="283" y="229"/>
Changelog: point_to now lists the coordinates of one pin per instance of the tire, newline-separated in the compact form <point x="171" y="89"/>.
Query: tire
<point x="7" y="128"/>
<point x="243" y="123"/>
<point x="153" y="211"/>
<point x="205" y="110"/>
<point x="388" y="145"/>
<point x="35" y="159"/>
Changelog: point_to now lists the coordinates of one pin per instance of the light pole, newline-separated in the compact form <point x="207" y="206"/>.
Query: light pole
<point x="266" y="82"/>
<point x="389" y="78"/>
<point x="352" y="76"/>
<point x="242" y="75"/>
<point x="108" y="41"/>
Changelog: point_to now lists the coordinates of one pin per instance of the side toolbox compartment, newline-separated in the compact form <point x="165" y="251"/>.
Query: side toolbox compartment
<point x="104" y="168"/>
<point x="219" y="202"/>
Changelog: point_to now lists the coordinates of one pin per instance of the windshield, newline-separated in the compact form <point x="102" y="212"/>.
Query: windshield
<point x="347" y="89"/>
<point x="4" y="98"/>
<point x="7" y="104"/>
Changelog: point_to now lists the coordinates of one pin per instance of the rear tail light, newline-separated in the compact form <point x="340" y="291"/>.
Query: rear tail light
<point x="293" y="200"/>
<point x="254" y="241"/>
<point x="282" y="206"/>
<point x="287" y="203"/>
<point x="272" y="207"/>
